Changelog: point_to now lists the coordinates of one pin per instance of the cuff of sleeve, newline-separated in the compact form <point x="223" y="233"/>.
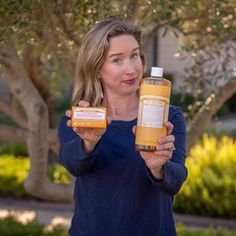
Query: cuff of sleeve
<point x="82" y="155"/>
<point x="163" y="183"/>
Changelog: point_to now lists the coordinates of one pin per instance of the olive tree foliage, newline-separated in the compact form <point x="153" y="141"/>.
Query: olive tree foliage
<point x="39" y="41"/>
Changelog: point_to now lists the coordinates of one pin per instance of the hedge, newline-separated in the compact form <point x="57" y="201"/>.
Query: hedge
<point x="14" y="170"/>
<point x="9" y="226"/>
<point x="184" y="231"/>
<point x="210" y="189"/>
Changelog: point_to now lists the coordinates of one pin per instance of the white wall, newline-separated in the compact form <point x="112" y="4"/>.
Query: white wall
<point x="168" y="47"/>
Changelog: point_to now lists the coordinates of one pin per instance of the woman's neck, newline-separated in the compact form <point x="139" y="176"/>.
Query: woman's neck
<point x="122" y="108"/>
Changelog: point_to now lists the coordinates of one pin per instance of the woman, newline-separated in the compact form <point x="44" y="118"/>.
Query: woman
<point x="119" y="191"/>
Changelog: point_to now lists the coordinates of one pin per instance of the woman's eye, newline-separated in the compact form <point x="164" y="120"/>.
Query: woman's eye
<point x="117" y="60"/>
<point x="135" y="55"/>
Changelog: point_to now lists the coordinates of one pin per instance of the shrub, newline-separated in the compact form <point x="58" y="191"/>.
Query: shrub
<point x="58" y="175"/>
<point x="9" y="226"/>
<point x="12" y="175"/>
<point x="13" y="149"/>
<point x="14" y="171"/>
<point x="182" y="100"/>
<point x="211" y="187"/>
<point x="184" y="231"/>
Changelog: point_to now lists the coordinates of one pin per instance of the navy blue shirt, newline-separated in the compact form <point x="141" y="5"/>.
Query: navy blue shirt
<point x="115" y="193"/>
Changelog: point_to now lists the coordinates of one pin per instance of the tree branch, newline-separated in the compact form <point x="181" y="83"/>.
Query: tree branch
<point x="60" y="14"/>
<point x="12" y="110"/>
<point x="212" y="104"/>
<point x="4" y="60"/>
<point x="33" y="66"/>
<point x="4" y="105"/>
<point x="132" y="10"/>
<point x="11" y="134"/>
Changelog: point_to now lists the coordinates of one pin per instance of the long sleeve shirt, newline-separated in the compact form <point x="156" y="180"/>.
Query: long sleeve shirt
<point x="115" y="192"/>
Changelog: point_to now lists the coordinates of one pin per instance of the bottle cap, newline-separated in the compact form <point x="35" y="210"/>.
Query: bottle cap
<point x="157" y="71"/>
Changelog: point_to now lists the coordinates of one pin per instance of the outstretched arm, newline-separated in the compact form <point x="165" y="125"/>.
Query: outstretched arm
<point x="78" y="146"/>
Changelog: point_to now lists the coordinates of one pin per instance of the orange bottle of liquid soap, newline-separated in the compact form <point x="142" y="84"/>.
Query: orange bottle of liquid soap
<point x="153" y="110"/>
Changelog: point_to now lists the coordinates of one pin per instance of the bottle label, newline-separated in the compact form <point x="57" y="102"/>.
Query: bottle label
<point x="153" y="111"/>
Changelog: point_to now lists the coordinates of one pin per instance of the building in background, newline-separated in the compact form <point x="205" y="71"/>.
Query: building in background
<point x="162" y="53"/>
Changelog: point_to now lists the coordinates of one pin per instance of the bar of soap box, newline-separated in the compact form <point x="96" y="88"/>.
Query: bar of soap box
<point x="89" y="117"/>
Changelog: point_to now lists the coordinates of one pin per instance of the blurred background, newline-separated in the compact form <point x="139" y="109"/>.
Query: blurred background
<point x="194" y="41"/>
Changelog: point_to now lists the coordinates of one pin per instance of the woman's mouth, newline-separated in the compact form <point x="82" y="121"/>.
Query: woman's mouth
<point x="130" y="81"/>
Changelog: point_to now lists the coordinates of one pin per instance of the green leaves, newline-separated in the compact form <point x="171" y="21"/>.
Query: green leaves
<point x="13" y="15"/>
<point x="10" y="226"/>
<point x="14" y="171"/>
<point x="210" y="188"/>
<point x="15" y="7"/>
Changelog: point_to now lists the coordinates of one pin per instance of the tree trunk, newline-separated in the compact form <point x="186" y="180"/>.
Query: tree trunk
<point x="212" y="104"/>
<point x="37" y="182"/>
<point x="33" y="67"/>
<point x="12" y="110"/>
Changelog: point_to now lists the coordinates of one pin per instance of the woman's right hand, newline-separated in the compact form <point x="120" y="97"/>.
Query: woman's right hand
<point x="90" y="136"/>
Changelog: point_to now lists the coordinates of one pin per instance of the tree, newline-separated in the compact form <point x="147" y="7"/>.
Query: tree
<point x="39" y="41"/>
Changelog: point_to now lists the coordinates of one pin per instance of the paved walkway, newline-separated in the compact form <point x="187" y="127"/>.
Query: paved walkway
<point x="52" y="214"/>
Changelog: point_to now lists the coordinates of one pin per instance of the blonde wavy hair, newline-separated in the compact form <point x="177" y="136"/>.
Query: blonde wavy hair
<point x="92" y="55"/>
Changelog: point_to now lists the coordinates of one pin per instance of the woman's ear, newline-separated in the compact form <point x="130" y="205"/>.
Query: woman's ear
<point x="99" y="75"/>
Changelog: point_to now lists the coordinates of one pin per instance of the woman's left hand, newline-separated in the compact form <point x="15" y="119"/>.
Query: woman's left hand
<point x="165" y="147"/>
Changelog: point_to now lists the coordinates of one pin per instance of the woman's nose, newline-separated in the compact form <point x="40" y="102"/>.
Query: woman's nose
<point x="130" y="67"/>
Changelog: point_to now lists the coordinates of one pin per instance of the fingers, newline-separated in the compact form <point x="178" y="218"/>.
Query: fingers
<point x="167" y="145"/>
<point x="166" y="139"/>
<point x="76" y="130"/>
<point x="164" y="149"/>
<point x="167" y="142"/>
<point x="69" y="123"/>
<point x="134" y="129"/>
<point x="83" y="103"/>
<point x="157" y="159"/>
<point x="108" y="121"/>
<point x="157" y="155"/>
<point x="146" y="155"/>
<point x="153" y="164"/>
<point x="99" y="131"/>
<point x="157" y="162"/>
<point x="164" y="153"/>
<point x="68" y="113"/>
<point x="169" y="127"/>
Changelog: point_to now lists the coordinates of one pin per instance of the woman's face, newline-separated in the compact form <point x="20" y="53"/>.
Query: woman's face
<point x="122" y="70"/>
